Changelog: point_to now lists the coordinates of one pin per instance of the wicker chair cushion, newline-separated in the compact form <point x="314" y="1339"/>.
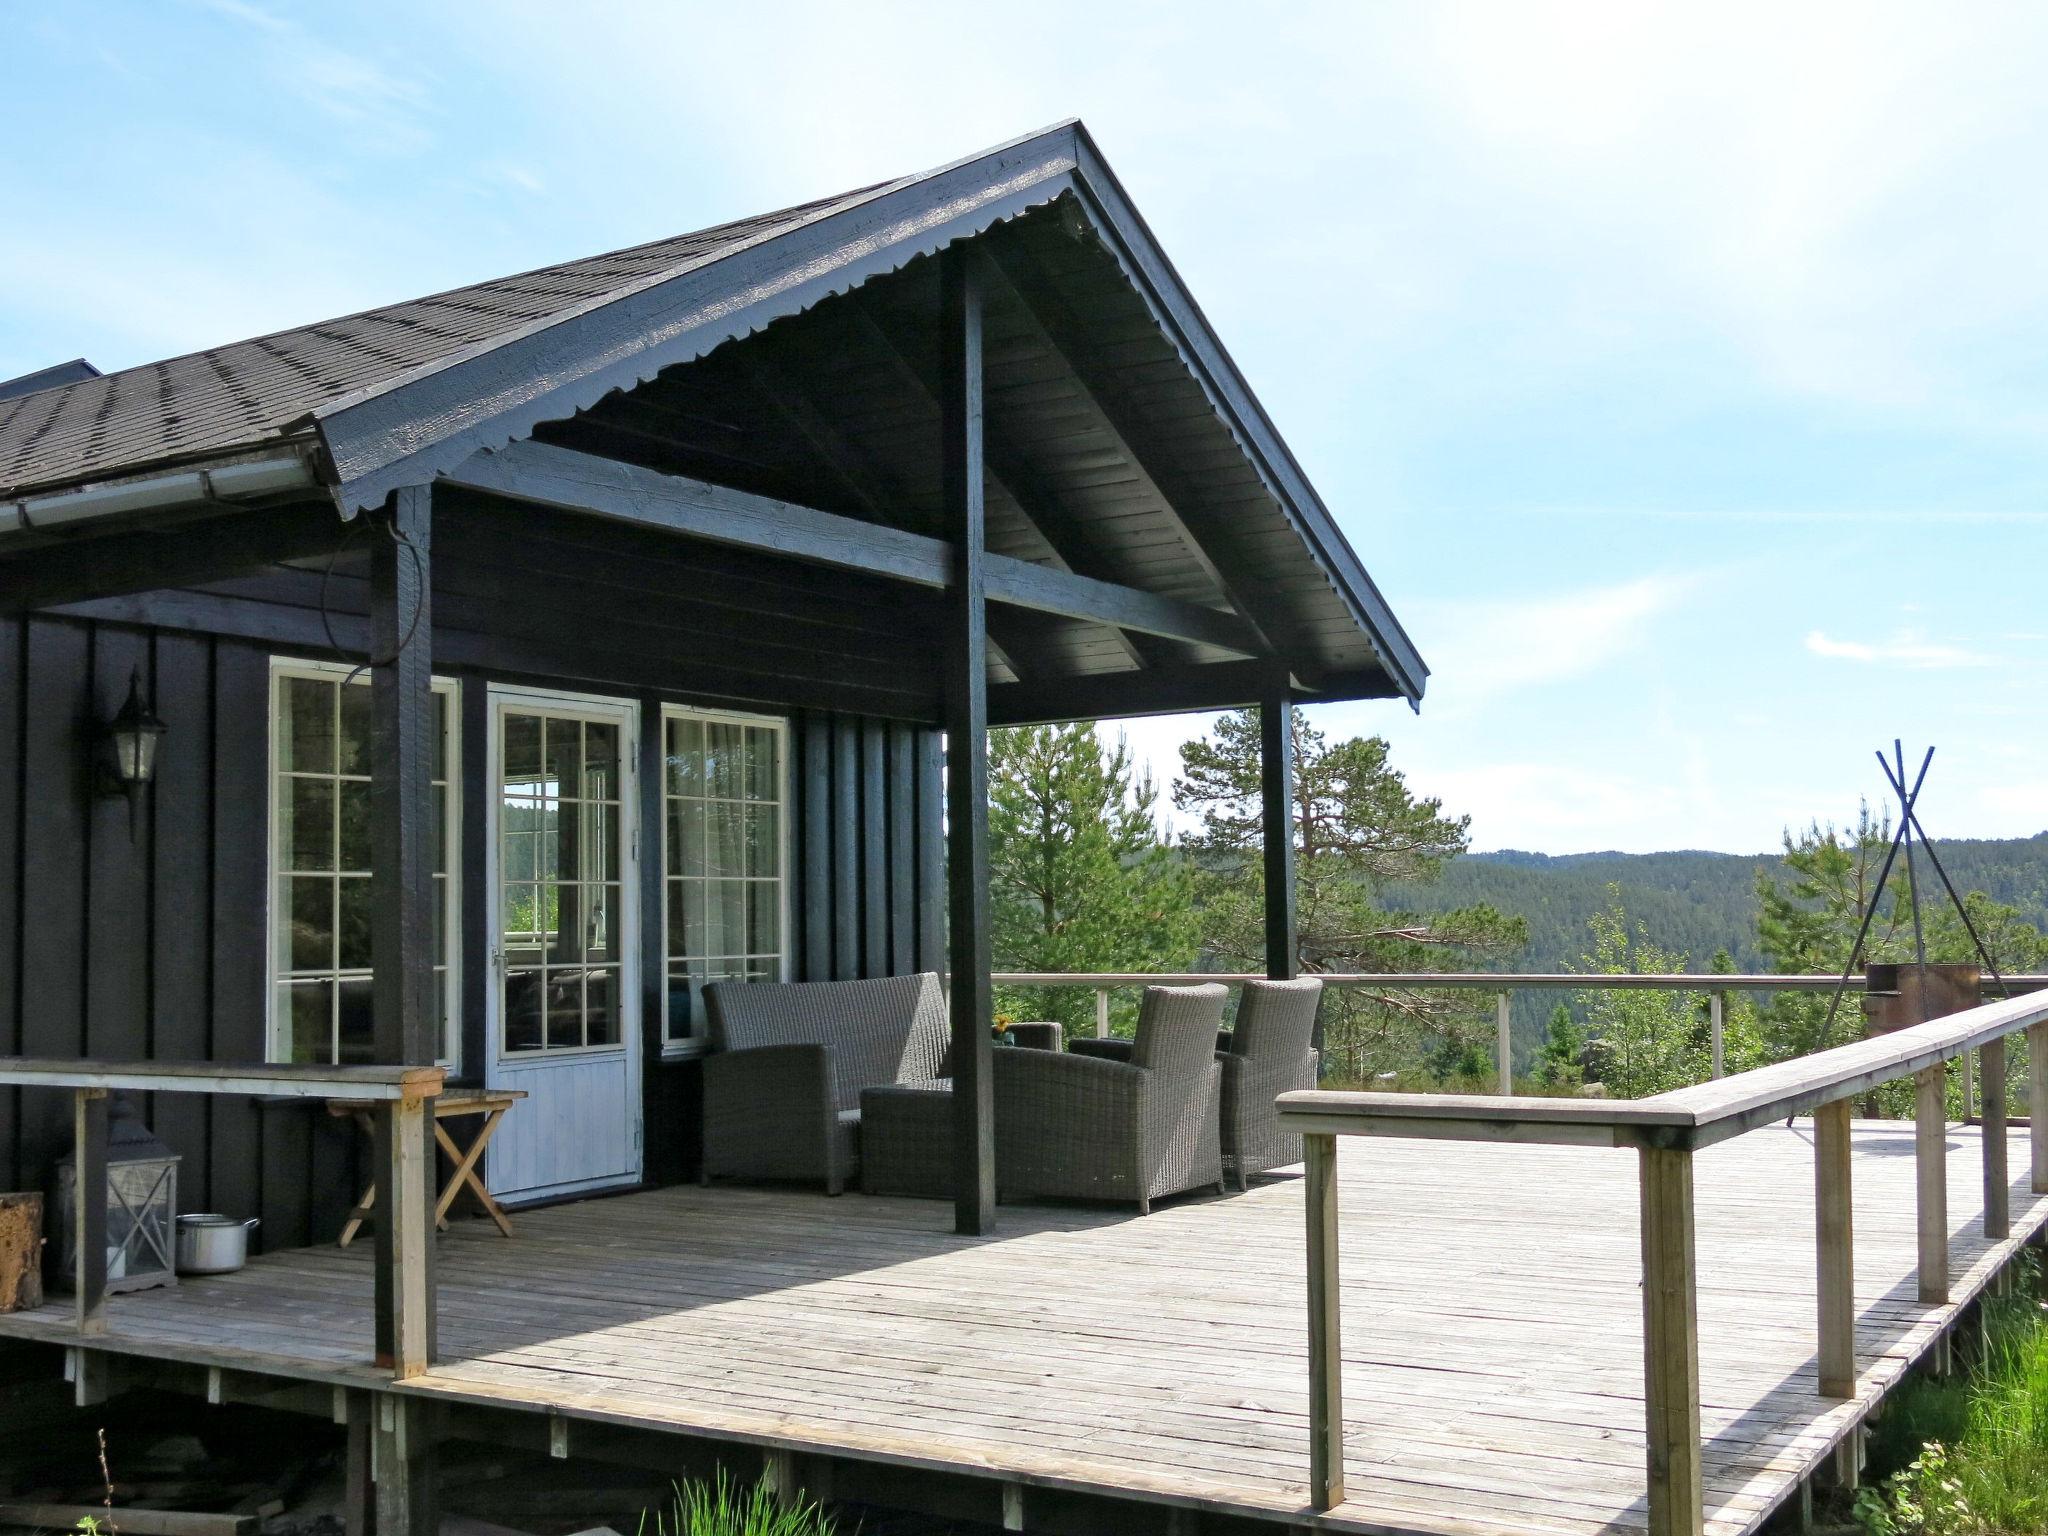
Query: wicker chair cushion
<point x="1177" y="1028"/>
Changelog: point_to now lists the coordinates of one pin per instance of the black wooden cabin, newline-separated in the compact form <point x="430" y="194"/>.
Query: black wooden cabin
<point x="678" y="565"/>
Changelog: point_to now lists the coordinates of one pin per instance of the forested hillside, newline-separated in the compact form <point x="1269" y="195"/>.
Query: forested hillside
<point x="1693" y="902"/>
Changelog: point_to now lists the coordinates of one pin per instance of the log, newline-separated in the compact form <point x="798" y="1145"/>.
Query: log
<point x="21" y="1252"/>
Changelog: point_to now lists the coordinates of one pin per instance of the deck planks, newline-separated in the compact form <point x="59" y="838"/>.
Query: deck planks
<point x="1491" y="1323"/>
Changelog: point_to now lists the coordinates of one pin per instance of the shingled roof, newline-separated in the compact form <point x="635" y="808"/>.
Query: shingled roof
<point x="254" y="393"/>
<point x="398" y="395"/>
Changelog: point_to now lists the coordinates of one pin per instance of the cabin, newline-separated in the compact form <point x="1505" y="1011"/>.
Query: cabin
<point x="448" y="695"/>
<point x="690" y="559"/>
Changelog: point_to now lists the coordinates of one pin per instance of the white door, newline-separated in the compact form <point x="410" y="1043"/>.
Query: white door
<point x="565" y="976"/>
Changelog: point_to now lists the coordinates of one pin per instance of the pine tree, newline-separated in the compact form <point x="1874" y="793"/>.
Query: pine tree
<point x="1080" y="877"/>
<point x="1357" y="830"/>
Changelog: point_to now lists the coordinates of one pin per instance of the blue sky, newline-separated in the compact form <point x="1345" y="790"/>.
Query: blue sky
<point x="1681" y="373"/>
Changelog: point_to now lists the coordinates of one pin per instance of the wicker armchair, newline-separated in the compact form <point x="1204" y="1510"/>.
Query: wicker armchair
<point x="1073" y="1124"/>
<point x="1268" y="1053"/>
<point x="789" y="1060"/>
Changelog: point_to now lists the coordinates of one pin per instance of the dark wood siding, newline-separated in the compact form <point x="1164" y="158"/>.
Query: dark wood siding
<point x="147" y="944"/>
<point x="153" y="947"/>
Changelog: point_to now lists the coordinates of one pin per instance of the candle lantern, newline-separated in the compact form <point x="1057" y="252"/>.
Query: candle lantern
<point x="142" y="1206"/>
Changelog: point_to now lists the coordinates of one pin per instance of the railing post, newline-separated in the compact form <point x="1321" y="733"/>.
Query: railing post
<point x="1671" y="1345"/>
<point x="1102" y="1013"/>
<point x="1930" y="1141"/>
<point x="1503" y="1042"/>
<point x="1325" y="1333"/>
<point x="1991" y="1124"/>
<point x="1716" y="1034"/>
<point x="2037" y="1103"/>
<point x="405" y="1164"/>
<point x="89" y="1206"/>
<point x="1836" y="1249"/>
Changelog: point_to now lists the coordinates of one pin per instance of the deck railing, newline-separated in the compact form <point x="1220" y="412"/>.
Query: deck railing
<point x="1504" y="985"/>
<point x="400" y="1098"/>
<point x="1666" y="1130"/>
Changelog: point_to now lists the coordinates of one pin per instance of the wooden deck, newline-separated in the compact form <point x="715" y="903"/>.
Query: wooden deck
<point x="1492" y="1343"/>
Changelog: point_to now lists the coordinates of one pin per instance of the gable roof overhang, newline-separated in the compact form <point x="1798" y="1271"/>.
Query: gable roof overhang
<point x="410" y="425"/>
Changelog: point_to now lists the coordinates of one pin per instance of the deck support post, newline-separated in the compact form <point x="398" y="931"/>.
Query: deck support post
<point x="963" y="482"/>
<point x="1325" y="1330"/>
<point x="403" y="1462"/>
<point x="2037" y="1104"/>
<point x="1930" y="1141"/>
<point x="354" y="1411"/>
<point x="1671" y="1345"/>
<point x="402" y="902"/>
<point x="1991" y="1125"/>
<point x="89" y="1208"/>
<point x="1276" y="811"/>
<point x="1836" y="1249"/>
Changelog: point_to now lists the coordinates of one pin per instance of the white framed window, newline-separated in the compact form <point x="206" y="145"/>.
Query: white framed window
<point x="319" y="888"/>
<point x="725" y="859"/>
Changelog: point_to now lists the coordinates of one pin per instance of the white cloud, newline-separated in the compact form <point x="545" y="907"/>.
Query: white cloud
<point x="1906" y="648"/>
<point x="1479" y="650"/>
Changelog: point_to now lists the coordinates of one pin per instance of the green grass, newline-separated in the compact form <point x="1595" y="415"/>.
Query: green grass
<point x="1969" y="1456"/>
<point x="722" y="1507"/>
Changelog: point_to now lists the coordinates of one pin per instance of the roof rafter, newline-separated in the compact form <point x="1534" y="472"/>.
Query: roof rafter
<point x="1055" y="327"/>
<point x="1006" y="471"/>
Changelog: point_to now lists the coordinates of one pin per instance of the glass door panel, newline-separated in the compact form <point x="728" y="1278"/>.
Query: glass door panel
<point x="559" y="862"/>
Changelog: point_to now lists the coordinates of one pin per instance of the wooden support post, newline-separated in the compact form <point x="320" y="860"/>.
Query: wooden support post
<point x="1930" y="1139"/>
<point x="963" y="481"/>
<point x="89" y="1218"/>
<point x="353" y="1410"/>
<point x="404" y="1291"/>
<point x="2037" y="1103"/>
<point x="1276" y="809"/>
<point x="1325" y="1330"/>
<point x="778" y="1475"/>
<point x="402" y="912"/>
<point x="92" y="1375"/>
<point x="1849" y="1454"/>
<point x="1671" y="1345"/>
<point x="402" y="1454"/>
<point x="1102" y="1013"/>
<point x="1991" y="1125"/>
<point x="1504" y="1042"/>
<point x="558" y="1437"/>
<point x="1717" y="1031"/>
<point x="1013" y="1506"/>
<point x="1836" y="1245"/>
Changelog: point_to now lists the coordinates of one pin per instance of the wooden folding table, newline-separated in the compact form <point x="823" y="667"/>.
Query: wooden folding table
<point x="455" y="1103"/>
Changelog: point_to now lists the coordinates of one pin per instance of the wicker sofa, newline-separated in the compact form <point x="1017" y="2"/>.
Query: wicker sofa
<point x="783" y="1081"/>
<point x="1073" y="1124"/>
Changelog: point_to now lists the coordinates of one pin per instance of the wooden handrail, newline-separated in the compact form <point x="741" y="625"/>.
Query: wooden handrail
<point x="1490" y="981"/>
<point x="274" y="1079"/>
<point x="1666" y="1130"/>
<point x="400" y="1097"/>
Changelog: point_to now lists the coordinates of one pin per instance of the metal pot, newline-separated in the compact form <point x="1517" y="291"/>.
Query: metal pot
<point x="212" y="1244"/>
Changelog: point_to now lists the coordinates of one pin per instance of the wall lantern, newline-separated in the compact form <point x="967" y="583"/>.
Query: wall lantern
<point x="128" y="747"/>
<point x="141" y="1194"/>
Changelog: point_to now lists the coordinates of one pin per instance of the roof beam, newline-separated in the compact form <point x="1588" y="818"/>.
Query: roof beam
<point x="1181" y="690"/>
<point x="77" y="567"/>
<point x="609" y="488"/>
